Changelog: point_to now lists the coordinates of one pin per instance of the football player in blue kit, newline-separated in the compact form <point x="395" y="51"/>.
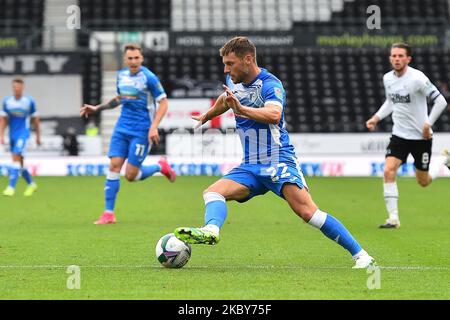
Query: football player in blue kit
<point x="257" y="99"/>
<point x="140" y="92"/>
<point x="17" y="111"/>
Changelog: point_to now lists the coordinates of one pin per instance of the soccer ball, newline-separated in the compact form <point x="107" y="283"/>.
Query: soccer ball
<point x="171" y="252"/>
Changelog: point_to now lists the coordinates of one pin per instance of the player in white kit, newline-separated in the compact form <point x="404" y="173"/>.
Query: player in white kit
<point x="407" y="90"/>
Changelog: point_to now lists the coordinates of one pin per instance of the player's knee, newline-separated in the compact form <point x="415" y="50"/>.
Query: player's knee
<point x="211" y="189"/>
<point x="130" y="176"/>
<point x="389" y="174"/>
<point x="114" y="168"/>
<point x="423" y="182"/>
<point x="207" y="190"/>
<point x="305" y="211"/>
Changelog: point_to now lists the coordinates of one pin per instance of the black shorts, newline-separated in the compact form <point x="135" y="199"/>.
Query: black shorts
<point x="420" y="149"/>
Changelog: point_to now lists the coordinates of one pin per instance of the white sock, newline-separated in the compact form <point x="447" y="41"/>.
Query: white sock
<point x="436" y="165"/>
<point x="391" y="199"/>
<point x="359" y="254"/>
<point x="318" y="219"/>
<point x="113" y="175"/>
<point x="212" y="228"/>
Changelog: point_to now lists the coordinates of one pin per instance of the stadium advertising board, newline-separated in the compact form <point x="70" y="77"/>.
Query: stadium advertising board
<point x="227" y="144"/>
<point x="48" y="77"/>
<point x="14" y="63"/>
<point x="326" y="166"/>
<point x="9" y="42"/>
<point x="179" y="115"/>
<point x="363" y="38"/>
<point x="164" y="40"/>
<point x="109" y="41"/>
<point x="181" y="110"/>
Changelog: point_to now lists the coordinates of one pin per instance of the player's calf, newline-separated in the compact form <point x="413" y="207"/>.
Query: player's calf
<point x="423" y="178"/>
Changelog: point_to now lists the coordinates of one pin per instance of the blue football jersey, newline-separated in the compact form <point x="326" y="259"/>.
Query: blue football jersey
<point x="262" y="143"/>
<point x="139" y="93"/>
<point x="19" y="113"/>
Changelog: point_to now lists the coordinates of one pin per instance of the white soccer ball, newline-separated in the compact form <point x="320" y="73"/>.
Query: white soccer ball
<point x="171" y="252"/>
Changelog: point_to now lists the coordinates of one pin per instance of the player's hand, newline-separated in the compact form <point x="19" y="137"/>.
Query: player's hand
<point x="153" y="136"/>
<point x="38" y="140"/>
<point x="233" y="102"/>
<point x="201" y="120"/>
<point x="87" y="109"/>
<point x="371" y="124"/>
<point x="426" y="132"/>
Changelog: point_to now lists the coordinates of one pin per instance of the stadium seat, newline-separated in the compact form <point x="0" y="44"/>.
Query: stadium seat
<point x="22" y="18"/>
<point x="342" y="85"/>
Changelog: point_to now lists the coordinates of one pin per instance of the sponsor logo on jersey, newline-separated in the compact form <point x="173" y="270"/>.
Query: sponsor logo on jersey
<point x="128" y="97"/>
<point x="398" y="98"/>
<point x="17" y="113"/>
<point x="278" y="93"/>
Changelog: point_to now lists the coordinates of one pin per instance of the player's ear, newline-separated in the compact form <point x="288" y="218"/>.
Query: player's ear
<point x="248" y="59"/>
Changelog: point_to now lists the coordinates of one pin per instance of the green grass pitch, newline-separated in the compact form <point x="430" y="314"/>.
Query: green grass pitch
<point x="266" y="251"/>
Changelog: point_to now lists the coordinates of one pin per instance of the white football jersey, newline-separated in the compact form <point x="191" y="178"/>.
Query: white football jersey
<point x="408" y="95"/>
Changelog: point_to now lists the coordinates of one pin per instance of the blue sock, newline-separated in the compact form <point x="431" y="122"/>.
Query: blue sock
<point x="147" y="171"/>
<point x="27" y="176"/>
<point x="112" y="186"/>
<point x="335" y="230"/>
<point x="14" y="175"/>
<point x="216" y="209"/>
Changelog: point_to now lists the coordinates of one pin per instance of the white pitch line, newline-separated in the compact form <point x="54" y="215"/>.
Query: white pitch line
<point x="231" y="267"/>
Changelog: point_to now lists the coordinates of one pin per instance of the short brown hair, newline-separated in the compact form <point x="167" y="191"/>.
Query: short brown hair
<point x="132" y="47"/>
<point x="18" y="80"/>
<point x="240" y="46"/>
<point x="403" y="45"/>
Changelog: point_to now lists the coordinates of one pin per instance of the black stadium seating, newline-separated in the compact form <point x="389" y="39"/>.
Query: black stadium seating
<point x="327" y="90"/>
<point x="125" y="15"/>
<point x="22" y="18"/>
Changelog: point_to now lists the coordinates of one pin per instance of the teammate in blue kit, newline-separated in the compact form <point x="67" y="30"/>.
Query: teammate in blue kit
<point x="139" y="91"/>
<point x="257" y="99"/>
<point x="17" y="111"/>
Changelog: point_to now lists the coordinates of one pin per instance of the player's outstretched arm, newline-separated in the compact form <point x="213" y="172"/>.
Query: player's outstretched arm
<point x="88" y="109"/>
<point x="3" y="124"/>
<point x="385" y="110"/>
<point x="217" y="109"/>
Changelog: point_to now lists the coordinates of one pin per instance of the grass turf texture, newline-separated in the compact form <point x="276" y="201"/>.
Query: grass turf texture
<point x="266" y="251"/>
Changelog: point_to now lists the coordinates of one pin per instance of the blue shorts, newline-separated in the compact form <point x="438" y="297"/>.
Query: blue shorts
<point x="18" y="145"/>
<point x="262" y="178"/>
<point x="126" y="146"/>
